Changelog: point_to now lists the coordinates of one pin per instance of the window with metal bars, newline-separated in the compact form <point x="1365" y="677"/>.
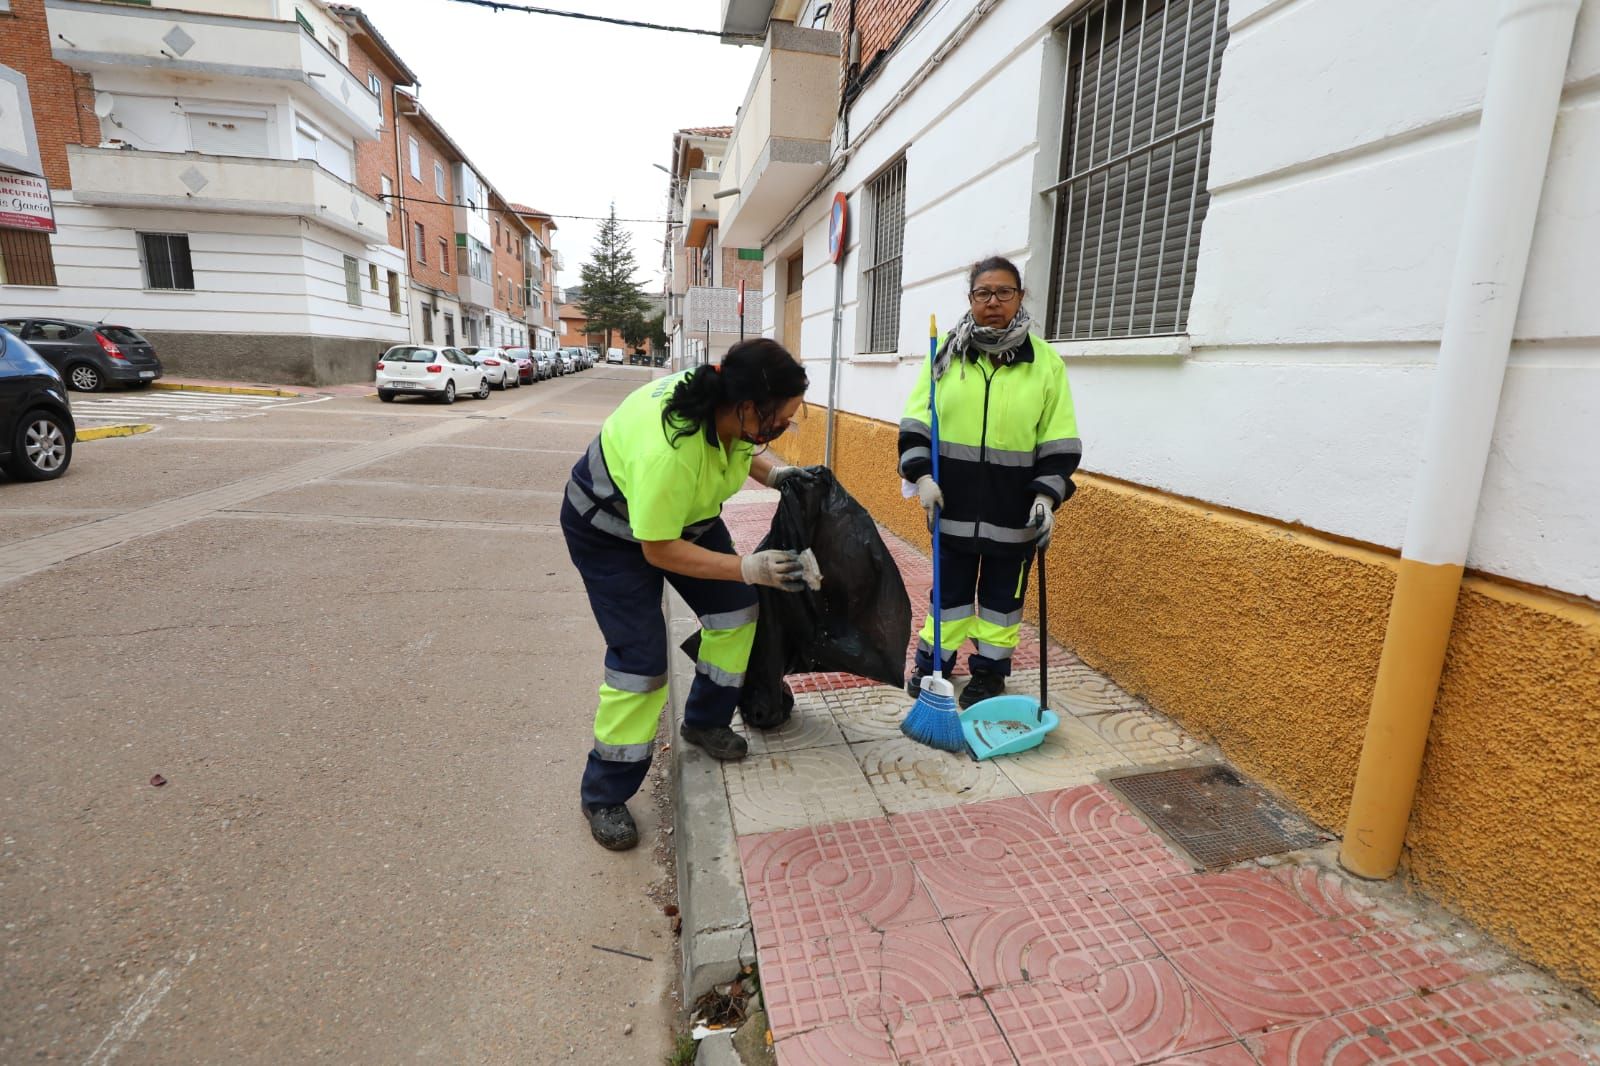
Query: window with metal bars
<point x="1140" y="94"/>
<point x="166" y="261"/>
<point x="26" y="258"/>
<point x="352" y="281"/>
<point x="880" y="275"/>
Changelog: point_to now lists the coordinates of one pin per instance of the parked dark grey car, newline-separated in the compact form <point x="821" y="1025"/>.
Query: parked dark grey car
<point x="36" y="428"/>
<point x="90" y="355"/>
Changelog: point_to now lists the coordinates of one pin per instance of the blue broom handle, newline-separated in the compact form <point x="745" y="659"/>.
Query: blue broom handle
<point x="933" y="418"/>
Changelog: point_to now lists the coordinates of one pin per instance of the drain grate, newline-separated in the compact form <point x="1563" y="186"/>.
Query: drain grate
<point x="1216" y="816"/>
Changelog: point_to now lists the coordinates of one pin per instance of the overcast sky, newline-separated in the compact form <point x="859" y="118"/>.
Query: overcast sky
<point x="567" y="115"/>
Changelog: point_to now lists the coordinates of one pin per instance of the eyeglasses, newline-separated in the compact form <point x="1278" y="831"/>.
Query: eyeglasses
<point x="1004" y="295"/>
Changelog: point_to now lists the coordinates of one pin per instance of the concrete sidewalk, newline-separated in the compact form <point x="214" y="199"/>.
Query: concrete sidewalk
<point x="909" y="906"/>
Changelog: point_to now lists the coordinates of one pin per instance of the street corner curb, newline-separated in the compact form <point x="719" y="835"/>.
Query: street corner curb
<point x="717" y="941"/>
<point x="102" y="432"/>
<point x="229" y="390"/>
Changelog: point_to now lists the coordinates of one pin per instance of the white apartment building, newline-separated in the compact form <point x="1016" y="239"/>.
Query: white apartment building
<point x="218" y="212"/>
<point x="1238" y="223"/>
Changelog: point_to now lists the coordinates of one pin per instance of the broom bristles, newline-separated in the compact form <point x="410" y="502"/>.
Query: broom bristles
<point x="934" y="720"/>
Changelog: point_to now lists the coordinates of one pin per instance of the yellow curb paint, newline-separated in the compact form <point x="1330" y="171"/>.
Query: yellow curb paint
<point x="102" y="432"/>
<point x="229" y="390"/>
<point x="1409" y="669"/>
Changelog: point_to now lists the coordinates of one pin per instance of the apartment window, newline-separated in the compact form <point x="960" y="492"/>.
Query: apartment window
<point x="394" y="293"/>
<point x="375" y="85"/>
<point x="438" y="179"/>
<point x="372" y="276"/>
<point x="166" y="261"/>
<point x="387" y="187"/>
<point x="886" y="199"/>
<point x="1136" y="145"/>
<point x="352" y="281"/>
<point x="416" y="157"/>
<point x="419" y="243"/>
<point x="427" y="323"/>
<point x="26" y="258"/>
<point x="444" y="255"/>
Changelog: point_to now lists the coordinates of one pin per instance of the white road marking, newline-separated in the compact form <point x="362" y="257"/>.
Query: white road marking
<point x="179" y="406"/>
<point x="136" y="1015"/>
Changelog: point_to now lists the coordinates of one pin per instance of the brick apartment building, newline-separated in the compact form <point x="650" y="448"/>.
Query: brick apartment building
<point x="540" y="264"/>
<point x="510" y="237"/>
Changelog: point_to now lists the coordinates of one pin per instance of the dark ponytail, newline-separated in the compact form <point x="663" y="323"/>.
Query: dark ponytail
<point x="759" y="371"/>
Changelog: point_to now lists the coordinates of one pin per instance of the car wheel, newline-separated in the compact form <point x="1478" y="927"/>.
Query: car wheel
<point x="449" y="395"/>
<point x="483" y="389"/>
<point x="42" y="450"/>
<point x="386" y="396"/>
<point x="86" y="378"/>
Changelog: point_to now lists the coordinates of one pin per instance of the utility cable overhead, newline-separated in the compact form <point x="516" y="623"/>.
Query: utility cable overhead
<point x="496" y="5"/>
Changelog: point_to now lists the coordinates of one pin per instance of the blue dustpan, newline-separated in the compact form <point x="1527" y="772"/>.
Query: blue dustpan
<point x="1007" y="725"/>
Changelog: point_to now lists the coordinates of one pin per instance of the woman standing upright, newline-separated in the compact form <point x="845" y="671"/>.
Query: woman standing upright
<point x="644" y="506"/>
<point x="1008" y="446"/>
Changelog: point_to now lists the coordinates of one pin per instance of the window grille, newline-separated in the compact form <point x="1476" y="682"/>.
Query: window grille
<point x="1140" y="95"/>
<point x="166" y="261"/>
<point x="352" y="281"/>
<point x="886" y="240"/>
<point x="26" y="258"/>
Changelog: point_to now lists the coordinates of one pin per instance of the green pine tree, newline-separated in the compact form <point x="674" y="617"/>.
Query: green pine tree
<point x="611" y="298"/>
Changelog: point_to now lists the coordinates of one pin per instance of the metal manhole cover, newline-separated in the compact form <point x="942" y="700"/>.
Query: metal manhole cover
<point x="1216" y="816"/>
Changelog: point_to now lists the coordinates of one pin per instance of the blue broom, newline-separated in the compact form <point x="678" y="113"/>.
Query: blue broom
<point x="934" y="720"/>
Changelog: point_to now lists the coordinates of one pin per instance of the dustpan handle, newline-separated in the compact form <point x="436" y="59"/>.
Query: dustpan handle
<point x="938" y="512"/>
<point x="1044" y="638"/>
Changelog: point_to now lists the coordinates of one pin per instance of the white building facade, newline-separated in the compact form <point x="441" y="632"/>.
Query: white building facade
<point x="219" y="212"/>
<point x="1237" y="221"/>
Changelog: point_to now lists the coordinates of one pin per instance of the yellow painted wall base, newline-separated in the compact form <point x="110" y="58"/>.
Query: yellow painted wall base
<point x="1266" y="641"/>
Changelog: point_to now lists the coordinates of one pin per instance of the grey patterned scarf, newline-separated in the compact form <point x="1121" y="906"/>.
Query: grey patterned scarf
<point x="968" y="338"/>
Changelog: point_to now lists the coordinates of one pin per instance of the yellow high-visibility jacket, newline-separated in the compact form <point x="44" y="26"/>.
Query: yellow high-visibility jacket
<point x="1006" y="434"/>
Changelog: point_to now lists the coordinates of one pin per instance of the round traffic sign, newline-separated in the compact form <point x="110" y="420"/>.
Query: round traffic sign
<point x="836" y="227"/>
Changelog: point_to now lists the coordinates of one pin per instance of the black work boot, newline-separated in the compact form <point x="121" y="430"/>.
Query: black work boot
<point x="612" y="827"/>
<point x="914" y="683"/>
<point x="982" y="686"/>
<point x="718" y="741"/>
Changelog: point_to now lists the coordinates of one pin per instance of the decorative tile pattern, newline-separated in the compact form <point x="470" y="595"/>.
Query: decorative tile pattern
<point x="1508" y="1024"/>
<point x="1072" y="754"/>
<point x="1143" y="738"/>
<point x="1064" y="942"/>
<point x="797" y="892"/>
<point x="1110" y="846"/>
<point x="842" y="1043"/>
<point x="906" y="967"/>
<point x="801" y="990"/>
<point x="811" y="726"/>
<point x="1256" y="953"/>
<point x="1081" y="691"/>
<point x="907" y="776"/>
<point x="792" y="789"/>
<point x="868" y="713"/>
<point x="959" y="1032"/>
<point x="1402" y="1031"/>
<point x="1141" y="1012"/>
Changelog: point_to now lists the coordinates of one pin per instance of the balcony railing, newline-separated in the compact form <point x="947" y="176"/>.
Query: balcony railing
<point x="87" y="35"/>
<point x="228" y="184"/>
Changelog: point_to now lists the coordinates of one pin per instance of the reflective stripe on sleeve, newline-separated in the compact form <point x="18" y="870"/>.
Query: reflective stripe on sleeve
<point x="1064" y="446"/>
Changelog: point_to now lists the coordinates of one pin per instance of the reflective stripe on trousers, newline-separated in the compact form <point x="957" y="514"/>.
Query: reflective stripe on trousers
<point x="995" y="626"/>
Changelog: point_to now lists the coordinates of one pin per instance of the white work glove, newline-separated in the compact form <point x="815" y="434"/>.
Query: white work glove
<point x="1043" y="519"/>
<point x="774" y="568"/>
<point x="779" y="474"/>
<point x="929" y="495"/>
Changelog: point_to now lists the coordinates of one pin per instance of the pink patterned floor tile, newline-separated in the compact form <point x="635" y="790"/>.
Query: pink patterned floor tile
<point x="1110" y="846"/>
<point x="1067" y="942"/>
<point x="1510" y="1025"/>
<point x="1226" y="1055"/>
<point x="843" y="1042"/>
<point x="1142" y="1012"/>
<point x="1402" y="1031"/>
<point x="801" y="989"/>
<point x="1425" y="960"/>
<point x="981" y="833"/>
<point x="951" y="1032"/>
<point x="834" y="900"/>
<point x="903" y="968"/>
<point x="1248" y="908"/>
<point x="861" y="842"/>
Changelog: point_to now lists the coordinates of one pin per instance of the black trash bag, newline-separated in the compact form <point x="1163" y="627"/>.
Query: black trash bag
<point x="859" y="622"/>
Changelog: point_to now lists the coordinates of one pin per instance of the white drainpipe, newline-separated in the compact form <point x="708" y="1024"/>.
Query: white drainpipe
<point x="1527" y="68"/>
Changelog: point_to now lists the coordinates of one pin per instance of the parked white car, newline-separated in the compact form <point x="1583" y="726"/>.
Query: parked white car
<point x="500" y="368"/>
<point x="440" y="373"/>
<point x="564" y="356"/>
<point x="615" y="355"/>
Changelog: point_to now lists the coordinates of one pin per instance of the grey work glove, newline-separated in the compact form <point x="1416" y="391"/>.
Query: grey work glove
<point x="779" y="474"/>
<point x="774" y="568"/>
<point x="929" y="495"/>
<point x="1043" y="519"/>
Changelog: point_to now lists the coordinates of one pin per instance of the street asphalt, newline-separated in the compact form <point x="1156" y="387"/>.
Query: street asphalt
<point x="367" y="684"/>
